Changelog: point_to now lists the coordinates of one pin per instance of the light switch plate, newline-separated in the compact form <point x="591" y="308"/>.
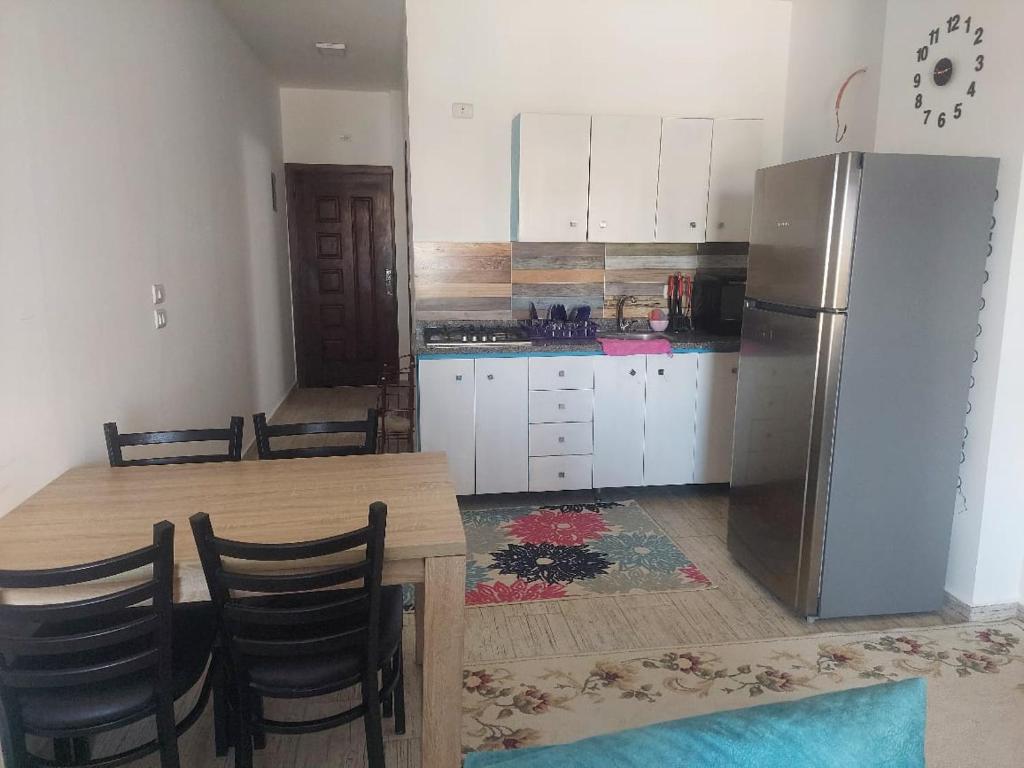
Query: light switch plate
<point x="158" y="293"/>
<point x="462" y="110"/>
<point x="160" y="318"/>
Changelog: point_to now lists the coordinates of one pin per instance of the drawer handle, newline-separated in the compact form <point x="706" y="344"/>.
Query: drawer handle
<point x="561" y="374"/>
<point x="632" y="372"/>
<point x="561" y="406"/>
<point x="458" y="377"/>
<point x="561" y="439"/>
<point x="561" y="474"/>
<point x="661" y="371"/>
<point x="490" y="377"/>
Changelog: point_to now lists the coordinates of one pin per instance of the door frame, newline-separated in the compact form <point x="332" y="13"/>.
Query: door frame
<point x="295" y="256"/>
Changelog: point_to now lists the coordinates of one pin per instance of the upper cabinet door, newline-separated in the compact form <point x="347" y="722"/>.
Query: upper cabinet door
<point x="735" y="158"/>
<point x="683" y="180"/>
<point x="624" y="155"/>
<point x="550" y="177"/>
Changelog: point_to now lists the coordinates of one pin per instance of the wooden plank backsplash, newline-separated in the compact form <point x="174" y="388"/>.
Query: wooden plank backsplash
<point x="497" y="281"/>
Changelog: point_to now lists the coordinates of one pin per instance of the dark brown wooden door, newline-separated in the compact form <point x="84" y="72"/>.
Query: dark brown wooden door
<point x="342" y="236"/>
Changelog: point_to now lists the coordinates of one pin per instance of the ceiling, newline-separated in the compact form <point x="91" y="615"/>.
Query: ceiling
<point x="283" y="33"/>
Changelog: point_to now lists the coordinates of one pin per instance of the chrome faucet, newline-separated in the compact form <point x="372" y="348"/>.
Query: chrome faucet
<point x="620" y="323"/>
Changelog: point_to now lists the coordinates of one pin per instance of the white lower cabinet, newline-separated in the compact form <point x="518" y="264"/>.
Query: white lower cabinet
<point x="715" y="417"/>
<point x="619" y="421"/>
<point x="669" y="419"/>
<point x="447" y="393"/>
<point x="502" y="425"/>
<point x="637" y="420"/>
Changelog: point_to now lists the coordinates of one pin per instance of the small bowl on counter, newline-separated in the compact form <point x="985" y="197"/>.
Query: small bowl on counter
<point x="658" y="326"/>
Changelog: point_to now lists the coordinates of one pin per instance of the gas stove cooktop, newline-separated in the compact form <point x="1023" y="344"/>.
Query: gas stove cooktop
<point x="475" y="336"/>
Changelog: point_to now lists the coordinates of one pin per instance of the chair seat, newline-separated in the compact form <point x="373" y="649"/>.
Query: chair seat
<point x="194" y="630"/>
<point x="323" y="671"/>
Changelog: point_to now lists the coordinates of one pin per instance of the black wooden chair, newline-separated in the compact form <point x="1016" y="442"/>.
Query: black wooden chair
<point x="298" y="634"/>
<point x="264" y="432"/>
<point x="232" y="435"/>
<point x="72" y="670"/>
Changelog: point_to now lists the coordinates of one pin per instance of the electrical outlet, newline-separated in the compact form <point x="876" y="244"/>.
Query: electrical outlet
<point x="158" y="293"/>
<point x="462" y="110"/>
<point x="160" y="318"/>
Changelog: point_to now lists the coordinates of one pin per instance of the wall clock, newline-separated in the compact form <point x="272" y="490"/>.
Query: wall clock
<point x="947" y="70"/>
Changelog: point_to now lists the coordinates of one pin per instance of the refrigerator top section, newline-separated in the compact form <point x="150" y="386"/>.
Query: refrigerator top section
<point x="801" y="242"/>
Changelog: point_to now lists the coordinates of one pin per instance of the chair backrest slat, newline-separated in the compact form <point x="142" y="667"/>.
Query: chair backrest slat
<point x="127" y="632"/>
<point x="296" y="612"/>
<point x="116" y="441"/>
<point x="264" y="432"/>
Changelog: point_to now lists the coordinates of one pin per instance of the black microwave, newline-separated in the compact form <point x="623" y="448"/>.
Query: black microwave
<point x="718" y="303"/>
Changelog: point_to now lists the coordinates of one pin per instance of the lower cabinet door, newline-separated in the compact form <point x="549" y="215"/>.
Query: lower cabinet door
<point x="502" y="425"/>
<point x="446" y="395"/>
<point x="671" y="403"/>
<point x="716" y="415"/>
<point x="619" y="421"/>
<point x="560" y="473"/>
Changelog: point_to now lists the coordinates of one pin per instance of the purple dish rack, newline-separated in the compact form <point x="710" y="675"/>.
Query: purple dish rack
<point x="561" y="331"/>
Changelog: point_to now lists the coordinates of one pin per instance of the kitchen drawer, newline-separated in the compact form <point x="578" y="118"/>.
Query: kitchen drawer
<point x="561" y="373"/>
<point x="556" y="406"/>
<point x="561" y="473"/>
<point x="561" y="439"/>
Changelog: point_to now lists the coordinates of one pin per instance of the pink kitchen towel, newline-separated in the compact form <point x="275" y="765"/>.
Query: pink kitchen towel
<point x="622" y="347"/>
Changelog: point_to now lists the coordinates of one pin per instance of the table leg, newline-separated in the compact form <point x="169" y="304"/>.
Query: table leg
<point x="419" y="613"/>
<point x="443" y="628"/>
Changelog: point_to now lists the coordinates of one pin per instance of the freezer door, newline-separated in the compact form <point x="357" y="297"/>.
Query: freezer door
<point x="785" y="412"/>
<point x="801" y="241"/>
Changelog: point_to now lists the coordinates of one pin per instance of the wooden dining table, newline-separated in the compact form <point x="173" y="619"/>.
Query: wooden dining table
<point x="90" y="513"/>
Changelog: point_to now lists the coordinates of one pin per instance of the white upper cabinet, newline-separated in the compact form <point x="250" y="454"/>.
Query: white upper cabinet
<point x="624" y="156"/>
<point x="683" y="180"/>
<point x="550" y="177"/>
<point x="735" y="158"/>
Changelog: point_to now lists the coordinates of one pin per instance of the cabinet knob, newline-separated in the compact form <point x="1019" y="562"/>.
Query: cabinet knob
<point x="603" y="225"/>
<point x="561" y="474"/>
<point x="561" y="439"/>
<point x="490" y="377"/>
<point x="572" y="222"/>
<point x="661" y="371"/>
<point x="561" y="406"/>
<point x="561" y="374"/>
<point x="693" y="225"/>
<point x="458" y="377"/>
<point x="721" y="225"/>
<point x="632" y="372"/>
<point x="735" y="370"/>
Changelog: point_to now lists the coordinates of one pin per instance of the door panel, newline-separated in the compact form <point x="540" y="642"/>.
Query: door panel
<point x="716" y="412"/>
<point x="669" y="419"/>
<point x="768" y="503"/>
<point x="341" y="227"/>
<point x="683" y="180"/>
<point x="502" y="425"/>
<point x="554" y="174"/>
<point x="735" y="158"/>
<point x="623" y="178"/>
<point x="619" y="421"/>
<point x="446" y="396"/>
<point x="801" y="245"/>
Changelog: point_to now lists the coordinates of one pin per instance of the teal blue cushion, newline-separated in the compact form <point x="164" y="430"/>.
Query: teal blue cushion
<point x="881" y="726"/>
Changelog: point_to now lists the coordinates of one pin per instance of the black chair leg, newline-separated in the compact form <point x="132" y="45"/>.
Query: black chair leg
<point x="259" y="738"/>
<point x="83" y="752"/>
<point x="221" y="709"/>
<point x="399" y="664"/>
<point x="372" y="720"/>
<point x="63" y="752"/>
<point x="242" y="733"/>
<point x="12" y="741"/>
<point x="388" y="703"/>
<point x="166" y="732"/>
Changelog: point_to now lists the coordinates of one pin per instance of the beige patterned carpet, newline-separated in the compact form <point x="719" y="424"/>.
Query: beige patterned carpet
<point x="975" y="676"/>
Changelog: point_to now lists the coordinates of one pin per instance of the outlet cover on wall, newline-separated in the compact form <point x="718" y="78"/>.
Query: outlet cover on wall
<point x="158" y="293"/>
<point x="462" y="110"/>
<point x="160" y="318"/>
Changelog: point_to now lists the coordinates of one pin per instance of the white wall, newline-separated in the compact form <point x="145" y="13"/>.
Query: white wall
<point x="830" y="40"/>
<point x="701" y="58"/>
<point x="988" y="536"/>
<point x="313" y="122"/>
<point x="137" y="142"/>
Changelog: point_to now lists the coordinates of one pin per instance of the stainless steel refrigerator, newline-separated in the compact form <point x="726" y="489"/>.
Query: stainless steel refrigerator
<point x="863" y="292"/>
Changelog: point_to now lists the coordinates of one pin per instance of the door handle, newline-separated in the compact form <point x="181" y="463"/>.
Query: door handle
<point x="490" y="377"/>
<point x="389" y="281"/>
<point x="633" y="372"/>
<point x="561" y="439"/>
<point x="561" y="474"/>
<point x="661" y="371"/>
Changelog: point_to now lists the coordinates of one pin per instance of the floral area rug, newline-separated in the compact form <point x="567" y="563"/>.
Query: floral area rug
<point x="575" y="550"/>
<point x="974" y="672"/>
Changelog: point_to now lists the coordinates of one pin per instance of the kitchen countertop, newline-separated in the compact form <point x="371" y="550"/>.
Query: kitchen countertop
<point x="683" y="342"/>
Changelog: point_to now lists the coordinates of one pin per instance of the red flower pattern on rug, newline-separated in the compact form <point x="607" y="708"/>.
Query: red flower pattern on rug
<point x="694" y="574"/>
<point x="518" y="591"/>
<point x="563" y="528"/>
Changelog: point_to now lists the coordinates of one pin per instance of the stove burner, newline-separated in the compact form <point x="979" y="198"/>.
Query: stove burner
<point x="436" y="336"/>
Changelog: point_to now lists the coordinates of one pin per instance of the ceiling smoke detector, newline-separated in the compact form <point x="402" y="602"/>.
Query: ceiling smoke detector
<point x="331" y="49"/>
